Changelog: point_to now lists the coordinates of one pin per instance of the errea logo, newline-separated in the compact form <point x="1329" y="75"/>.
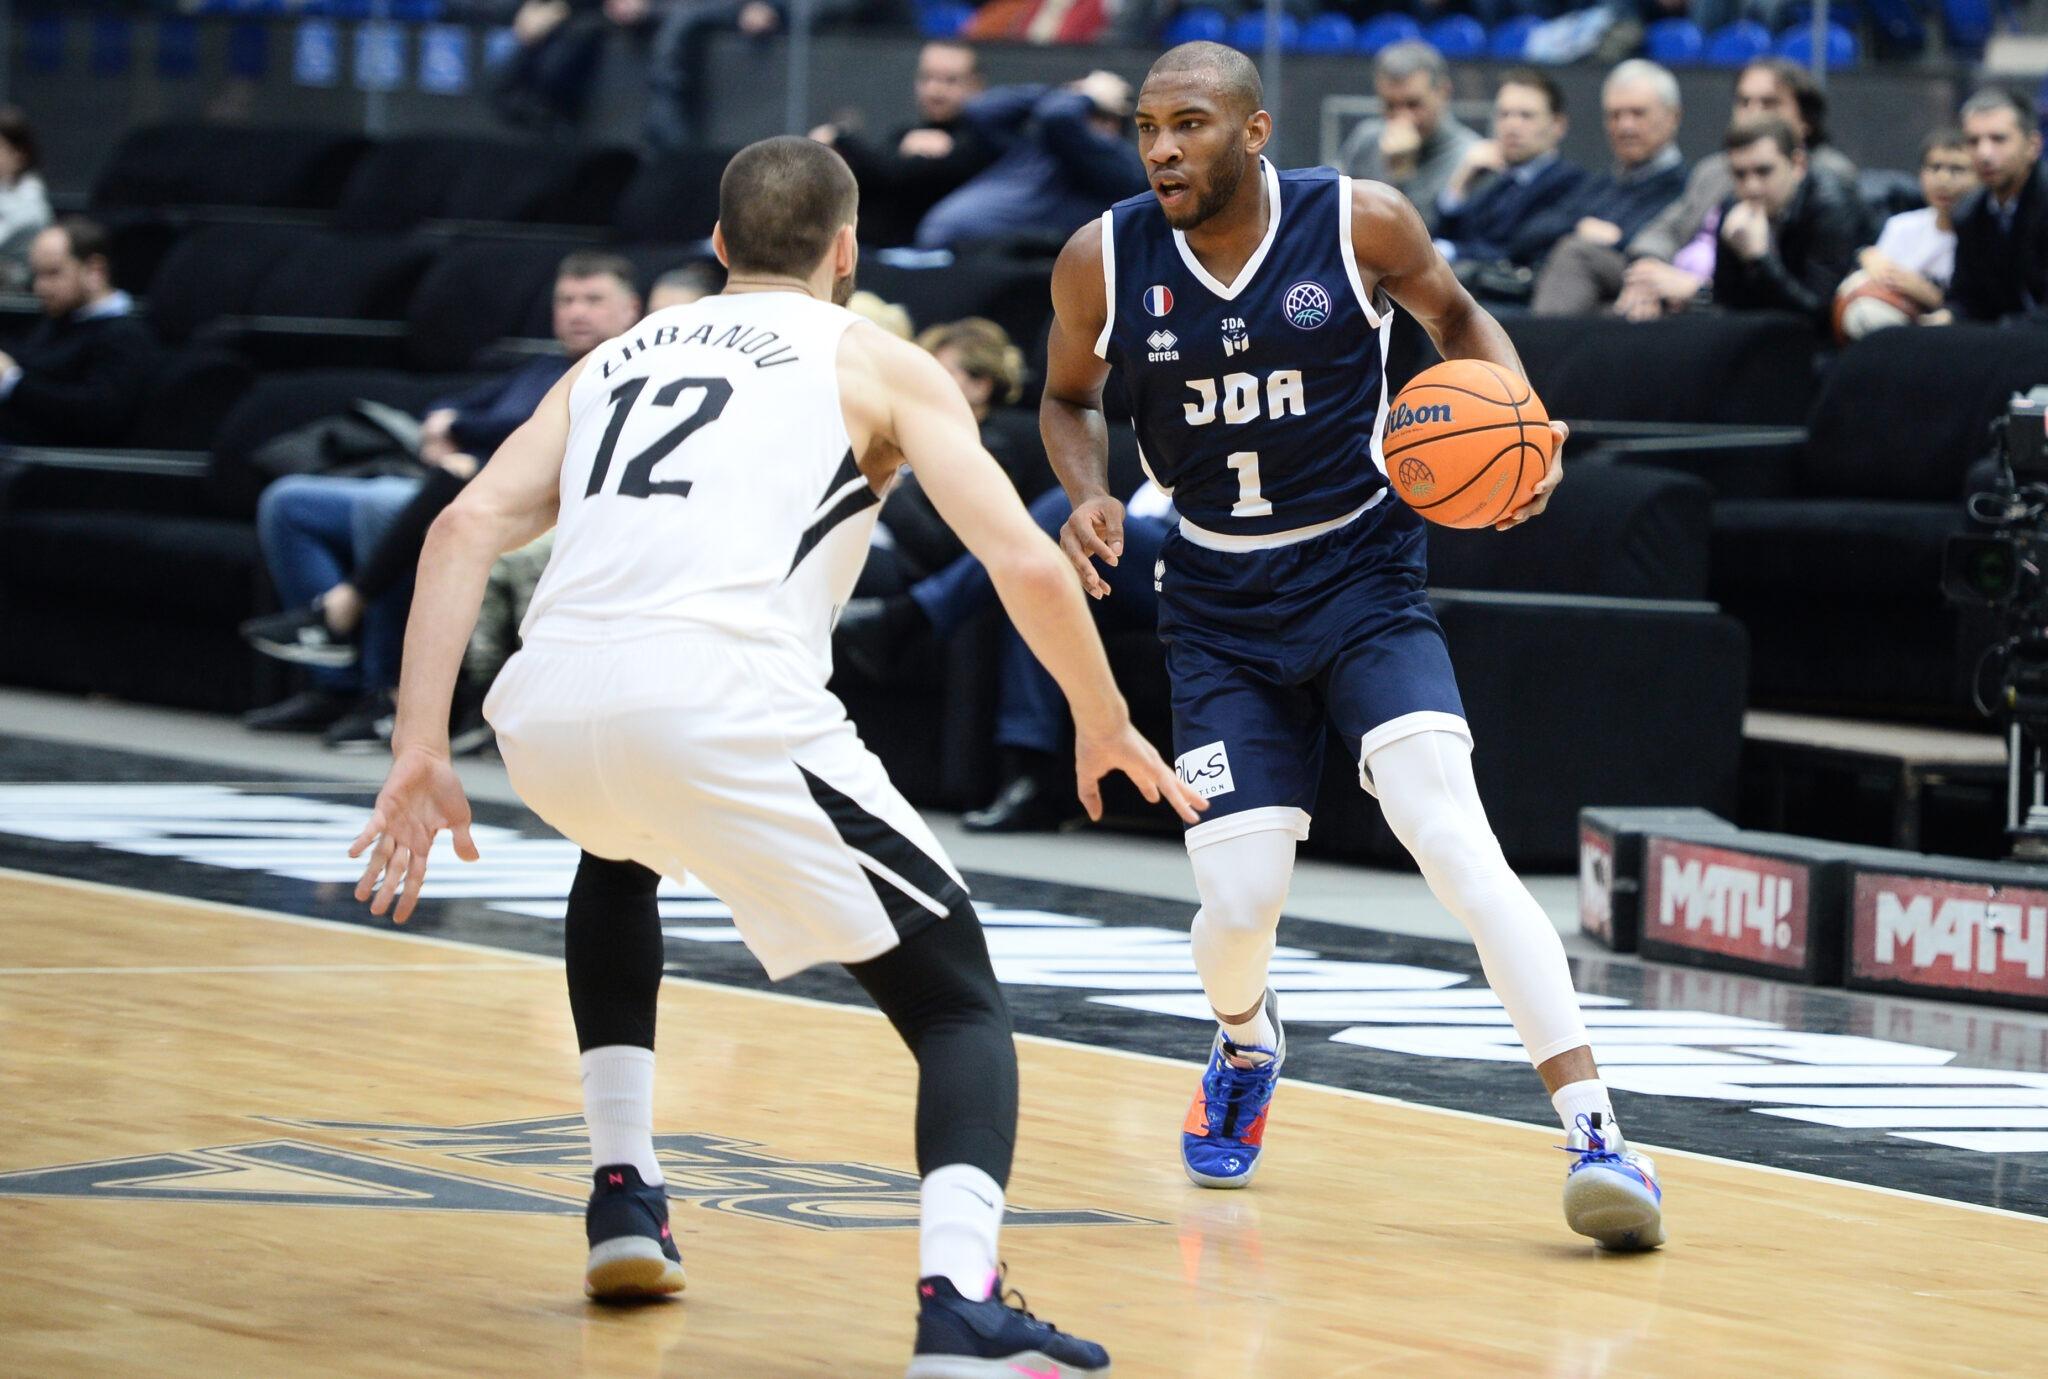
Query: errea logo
<point x="1164" y="346"/>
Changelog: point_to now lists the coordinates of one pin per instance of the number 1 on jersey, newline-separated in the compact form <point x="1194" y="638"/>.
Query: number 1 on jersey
<point x="637" y="480"/>
<point x="1249" y="503"/>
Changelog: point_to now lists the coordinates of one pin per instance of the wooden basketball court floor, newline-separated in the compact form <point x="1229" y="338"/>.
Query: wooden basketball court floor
<point x="238" y="1143"/>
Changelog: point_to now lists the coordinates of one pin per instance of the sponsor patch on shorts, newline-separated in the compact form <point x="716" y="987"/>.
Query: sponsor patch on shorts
<point x="1206" y="770"/>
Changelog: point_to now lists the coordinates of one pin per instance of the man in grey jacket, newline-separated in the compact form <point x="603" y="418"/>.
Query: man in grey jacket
<point x="1415" y="143"/>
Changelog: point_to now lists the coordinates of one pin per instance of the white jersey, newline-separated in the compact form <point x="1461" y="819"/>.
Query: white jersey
<point x="709" y="482"/>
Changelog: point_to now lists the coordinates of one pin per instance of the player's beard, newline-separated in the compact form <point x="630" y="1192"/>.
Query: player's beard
<point x="842" y="289"/>
<point x="1224" y="180"/>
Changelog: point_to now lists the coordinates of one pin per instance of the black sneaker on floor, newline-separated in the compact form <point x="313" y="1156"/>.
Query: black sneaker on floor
<point x="991" y="1339"/>
<point x="1027" y="804"/>
<point x="366" y="727"/>
<point x="632" y="1253"/>
<point x="308" y="711"/>
<point x="301" y="636"/>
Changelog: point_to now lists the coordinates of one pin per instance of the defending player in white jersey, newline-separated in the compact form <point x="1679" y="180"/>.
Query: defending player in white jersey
<point x="713" y="476"/>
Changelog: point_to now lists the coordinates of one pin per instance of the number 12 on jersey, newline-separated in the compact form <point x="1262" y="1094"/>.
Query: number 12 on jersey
<point x="637" y="480"/>
<point x="1249" y="501"/>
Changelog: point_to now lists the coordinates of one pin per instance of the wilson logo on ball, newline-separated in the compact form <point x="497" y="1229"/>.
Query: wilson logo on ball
<point x="1403" y="415"/>
<point x="1416" y="478"/>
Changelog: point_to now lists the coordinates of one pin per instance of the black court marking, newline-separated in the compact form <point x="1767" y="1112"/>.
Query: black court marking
<point x="1970" y="1057"/>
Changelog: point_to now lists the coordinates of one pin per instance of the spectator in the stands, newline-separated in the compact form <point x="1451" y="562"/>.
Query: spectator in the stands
<point x="2002" y="230"/>
<point x="1671" y="263"/>
<point x="342" y="551"/>
<point x="24" y="200"/>
<point x="1593" y="228"/>
<point x="683" y="30"/>
<point x="1504" y="180"/>
<point x="681" y="286"/>
<point x="1915" y="253"/>
<point x="1415" y="144"/>
<point x="911" y="540"/>
<point x="548" y="79"/>
<point x="903" y="177"/>
<point x="1788" y="234"/>
<point x="81" y="374"/>
<point x="1065" y="156"/>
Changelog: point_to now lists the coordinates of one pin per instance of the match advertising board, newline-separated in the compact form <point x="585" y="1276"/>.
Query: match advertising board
<point x="1759" y="903"/>
<point x="1611" y="866"/>
<point x="1978" y="933"/>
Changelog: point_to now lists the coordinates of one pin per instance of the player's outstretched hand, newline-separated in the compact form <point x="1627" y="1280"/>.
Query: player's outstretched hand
<point x="1094" y="531"/>
<point x="1545" y="486"/>
<point x="421" y="796"/>
<point x="1127" y="751"/>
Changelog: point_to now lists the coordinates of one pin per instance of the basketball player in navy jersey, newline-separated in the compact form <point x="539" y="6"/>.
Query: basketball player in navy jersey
<point x="1248" y="311"/>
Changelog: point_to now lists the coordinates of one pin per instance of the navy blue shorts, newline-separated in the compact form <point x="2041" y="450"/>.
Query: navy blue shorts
<point x="1269" y="649"/>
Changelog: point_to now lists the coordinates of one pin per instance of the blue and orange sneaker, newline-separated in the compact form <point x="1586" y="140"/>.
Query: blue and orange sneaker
<point x="1226" y="1123"/>
<point x="632" y="1253"/>
<point x="993" y="1339"/>
<point x="1611" y="1192"/>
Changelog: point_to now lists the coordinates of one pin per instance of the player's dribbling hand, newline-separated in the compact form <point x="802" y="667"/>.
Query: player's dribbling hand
<point x="1126" y="750"/>
<point x="1547" y="485"/>
<point x="421" y="796"/>
<point x="1094" y="530"/>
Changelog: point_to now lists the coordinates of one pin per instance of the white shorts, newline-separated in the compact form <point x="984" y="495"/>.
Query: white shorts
<point x="691" y="753"/>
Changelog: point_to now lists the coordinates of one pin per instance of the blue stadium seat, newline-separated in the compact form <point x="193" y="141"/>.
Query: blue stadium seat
<point x="1383" y="29"/>
<point x="1967" y="24"/>
<point x="1248" y="32"/>
<point x="943" y="21"/>
<point x="1738" y="45"/>
<point x="1327" y="33"/>
<point x="1510" y="38"/>
<point x="1458" y="37"/>
<point x="1675" y="43"/>
<point x="1797" y="46"/>
<point x="1195" y="26"/>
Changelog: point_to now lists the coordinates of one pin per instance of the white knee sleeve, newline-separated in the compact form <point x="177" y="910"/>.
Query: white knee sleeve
<point x="1425" y="786"/>
<point x="1243" y="884"/>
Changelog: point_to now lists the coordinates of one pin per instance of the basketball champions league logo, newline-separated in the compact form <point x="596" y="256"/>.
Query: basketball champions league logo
<point x="540" y="1165"/>
<point x="1306" y="305"/>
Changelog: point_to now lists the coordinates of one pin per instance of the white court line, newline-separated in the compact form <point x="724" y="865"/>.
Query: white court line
<point x="269" y="968"/>
<point x="1183" y="1064"/>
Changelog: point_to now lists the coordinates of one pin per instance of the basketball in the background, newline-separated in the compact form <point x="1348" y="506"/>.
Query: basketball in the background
<point x="1863" y="305"/>
<point x="1466" y="442"/>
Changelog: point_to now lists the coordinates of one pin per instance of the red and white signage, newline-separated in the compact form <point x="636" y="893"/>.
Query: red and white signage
<point x="1960" y="936"/>
<point x="1596" y="884"/>
<point x="1729" y="903"/>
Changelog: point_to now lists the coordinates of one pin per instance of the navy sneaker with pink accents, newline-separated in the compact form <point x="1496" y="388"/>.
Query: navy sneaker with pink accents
<point x="993" y="1339"/>
<point x="632" y="1253"/>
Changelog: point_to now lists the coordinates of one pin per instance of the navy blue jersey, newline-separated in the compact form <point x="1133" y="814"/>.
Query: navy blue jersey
<point x="1259" y="405"/>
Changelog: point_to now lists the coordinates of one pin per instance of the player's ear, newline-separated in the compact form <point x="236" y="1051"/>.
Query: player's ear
<point x="718" y="246"/>
<point x="1258" y="131"/>
<point x="845" y="252"/>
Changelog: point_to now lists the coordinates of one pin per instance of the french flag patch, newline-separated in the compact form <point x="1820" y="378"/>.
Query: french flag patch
<point x="1158" y="300"/>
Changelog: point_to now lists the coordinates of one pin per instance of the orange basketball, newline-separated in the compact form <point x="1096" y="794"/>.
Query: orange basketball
<point x="1466" y="442"/>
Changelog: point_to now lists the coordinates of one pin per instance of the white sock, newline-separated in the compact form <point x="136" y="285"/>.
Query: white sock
<point x="618" y="1108"/>
<point x="960" y="1212"/>
<point x="1258" y="1032"/>
<point x="1586" y="1098"/>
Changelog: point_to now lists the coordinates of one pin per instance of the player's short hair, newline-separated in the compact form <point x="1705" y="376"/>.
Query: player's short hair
<point x="1937" y="140"/>
<point x="87" y="239"/>
<point x="1743" y="133"/>
<point x="1806" y="94"/>
<point x="592" y="263"/>
<point x="1232" y="76"/>
<point x="1990" y="98"/>
<point x="1400" y="61"/>
<point x="1553" y="94"/>
<point x="781" y="201"/>
<point x="1654" y="75"/>
<point x="985" y="350"/>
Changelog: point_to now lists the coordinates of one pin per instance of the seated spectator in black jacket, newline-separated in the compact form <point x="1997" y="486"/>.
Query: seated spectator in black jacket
<point x="2002" y="230"/>
<point x="1790" y="233"/>
<point x="82" y="373"/>
<point x="342" y="551"/>
<point x="1064" y="158"/>
<point x="920" y="164"/>
<point x="1503" y="181"/>
<point x="549" y="77"/>
<point x="1640" y="104"/>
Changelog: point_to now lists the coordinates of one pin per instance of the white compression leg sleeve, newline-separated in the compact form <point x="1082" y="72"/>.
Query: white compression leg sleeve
<point x="1425" y="786"/>
<point x="1243" y="884"/>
